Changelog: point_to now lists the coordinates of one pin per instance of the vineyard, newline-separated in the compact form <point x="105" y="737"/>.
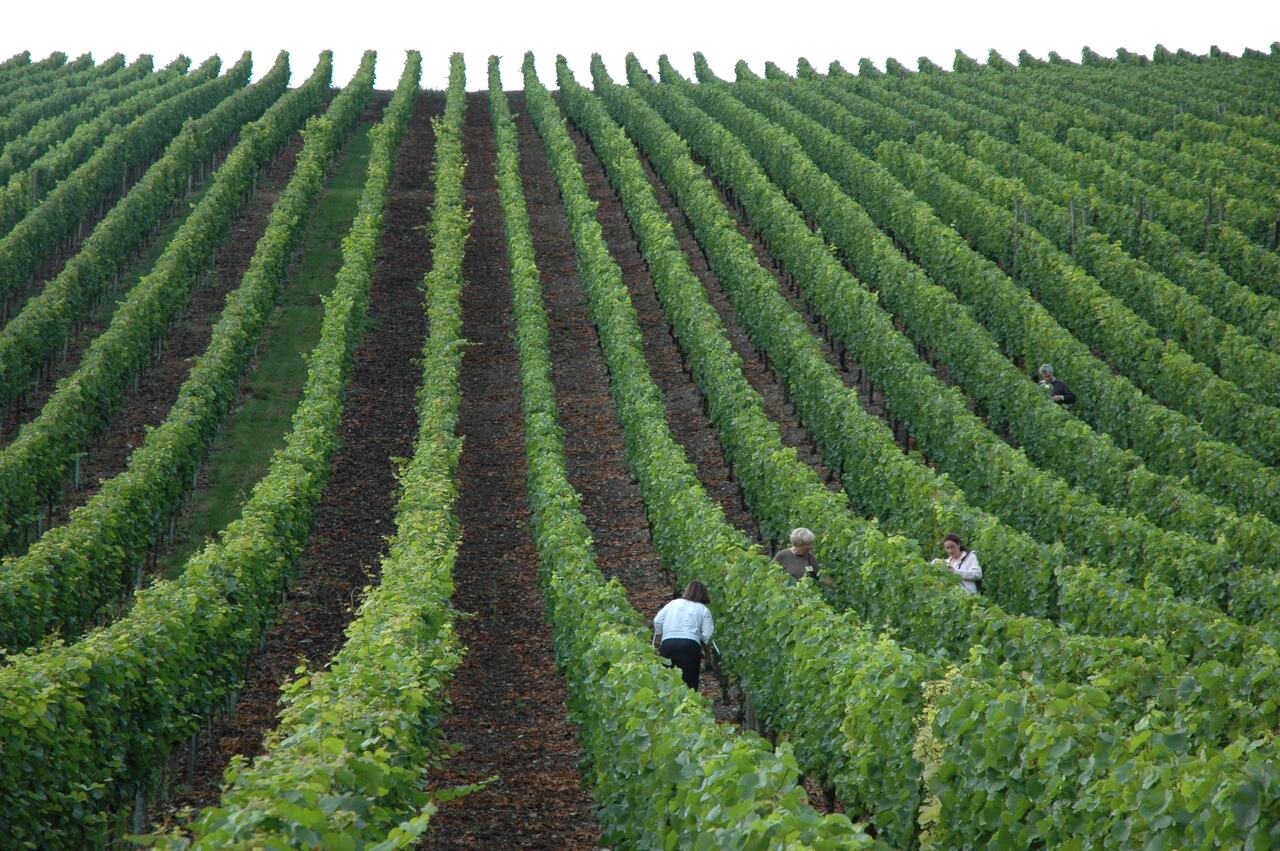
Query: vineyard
<point x="351" y="439"/>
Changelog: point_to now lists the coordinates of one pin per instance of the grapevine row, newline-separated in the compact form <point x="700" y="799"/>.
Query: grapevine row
<point x="363" y="731"/>
<point x="1049" y="436"/>
<point x="1083" y="306"/>
<point x="895" y="814"/>
<point x="70" y="91"/>
<point x="15" y="66"/>
<point x="30" y="175"/>
<point x="1129" y="342"/>
<point x="633" y="714"/>
<point x="34" y="465"/>
<point x="1038" y="758"/>
<point x="66" y="578"/>
<point x="791" y="653"/>
<point x="1139" y="234"/>
<point x="1256" y="314"/>
<point x="46" y="226"/>
<point x="1199" y="225"/>
<point x="1208" y="162"/>
<point x="909" y="607"/>
<point x="1173" y="312"/>
<point x="42" y="79"/>
<point x="1254" y="218"/>
<point x="1168" y="441"/>
<point x="22" y="70"/>
<point x="949" y="433"/>
<point x="25" y="149"/>
<point x="105" y="712"/>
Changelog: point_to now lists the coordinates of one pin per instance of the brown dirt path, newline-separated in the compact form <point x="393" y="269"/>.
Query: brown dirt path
<point x="594" y="441"/>
<point x="356" y="512"/>
<point x="683" y="400"/>
<point x="160" y="381"/>
<point x="509" y="716"/>
<point x="681" y="395"/>
<point x="27" y="407"/>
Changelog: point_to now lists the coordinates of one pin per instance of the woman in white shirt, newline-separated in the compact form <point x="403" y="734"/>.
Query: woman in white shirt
<point x="963" y="563"/>
<point x="681" y="629"/>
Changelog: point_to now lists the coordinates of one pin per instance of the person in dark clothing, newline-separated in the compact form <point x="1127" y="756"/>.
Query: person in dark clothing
<point x="1056" y="387"/>
<point x="797" y="561"/>
<point x="683" y="628"/>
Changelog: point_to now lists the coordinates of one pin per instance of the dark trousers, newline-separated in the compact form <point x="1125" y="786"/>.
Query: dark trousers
<point x="687" y="655"/>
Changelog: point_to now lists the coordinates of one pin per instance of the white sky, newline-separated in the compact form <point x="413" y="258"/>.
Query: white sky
<point x="780" y="30"/>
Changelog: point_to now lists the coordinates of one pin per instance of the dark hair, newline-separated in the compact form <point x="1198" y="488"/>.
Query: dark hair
<point x="955" y="539"/>
<point x="697" y="592"/>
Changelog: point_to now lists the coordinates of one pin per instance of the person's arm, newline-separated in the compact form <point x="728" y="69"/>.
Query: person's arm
<point x="968" y="568"/>
<point x="657" y="625"/>
<point x="1068" y="398"/>
<point x="707" y="628"/>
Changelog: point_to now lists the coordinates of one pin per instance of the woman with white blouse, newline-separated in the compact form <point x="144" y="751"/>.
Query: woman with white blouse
<point x="963" y="563"/>
<point x="682" y="628"/>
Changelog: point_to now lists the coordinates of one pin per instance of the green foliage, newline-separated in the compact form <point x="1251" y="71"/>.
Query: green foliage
<point x="1164" y="438"/>
<point x="1175" y="313"/>
<point x="78" y="567"/>
<point x="1024" y="330"/>
<point x="1069" y="294"/>
<point x="20" y="152"/>
<point x="1093" y="315"/>
<point x="32" y="234"/>
<point x="14" y="65"/>
<point x="346" y="765"/>
<point x="965" y="64"/>
<point x="905" y="494"/>
<point x="23" y="73"/>
<point x="1004" y="482"/>
<point x="1031" y="765"/>
<point x="43" y="79"/>
<point x="788" y="649"/>
<point x="85" y="725"/>
<point x="32" y="165"/>
<point x="70" y="91"/>
<point x="662" y="769"/>
<point x="1033" y="647"/>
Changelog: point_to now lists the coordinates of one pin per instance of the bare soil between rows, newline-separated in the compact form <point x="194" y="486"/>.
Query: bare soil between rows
<point x="356" y="512"/>
<point x="508" y="718"/>
<point x="29" y="405"/>
<point x="159" y="383"/>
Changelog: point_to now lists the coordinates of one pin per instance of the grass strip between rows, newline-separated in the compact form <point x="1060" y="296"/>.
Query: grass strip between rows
<point x="66" y="578"/>
<point x="83" y="727"/>
<point x="345" y="766"/>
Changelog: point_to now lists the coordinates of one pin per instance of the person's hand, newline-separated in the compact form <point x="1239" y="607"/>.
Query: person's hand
<point x="1056" y="398"/>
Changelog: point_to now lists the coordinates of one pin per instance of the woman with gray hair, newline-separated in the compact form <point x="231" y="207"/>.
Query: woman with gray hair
<point x="798" y="560"/>
<point x="1056" y="388"/>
